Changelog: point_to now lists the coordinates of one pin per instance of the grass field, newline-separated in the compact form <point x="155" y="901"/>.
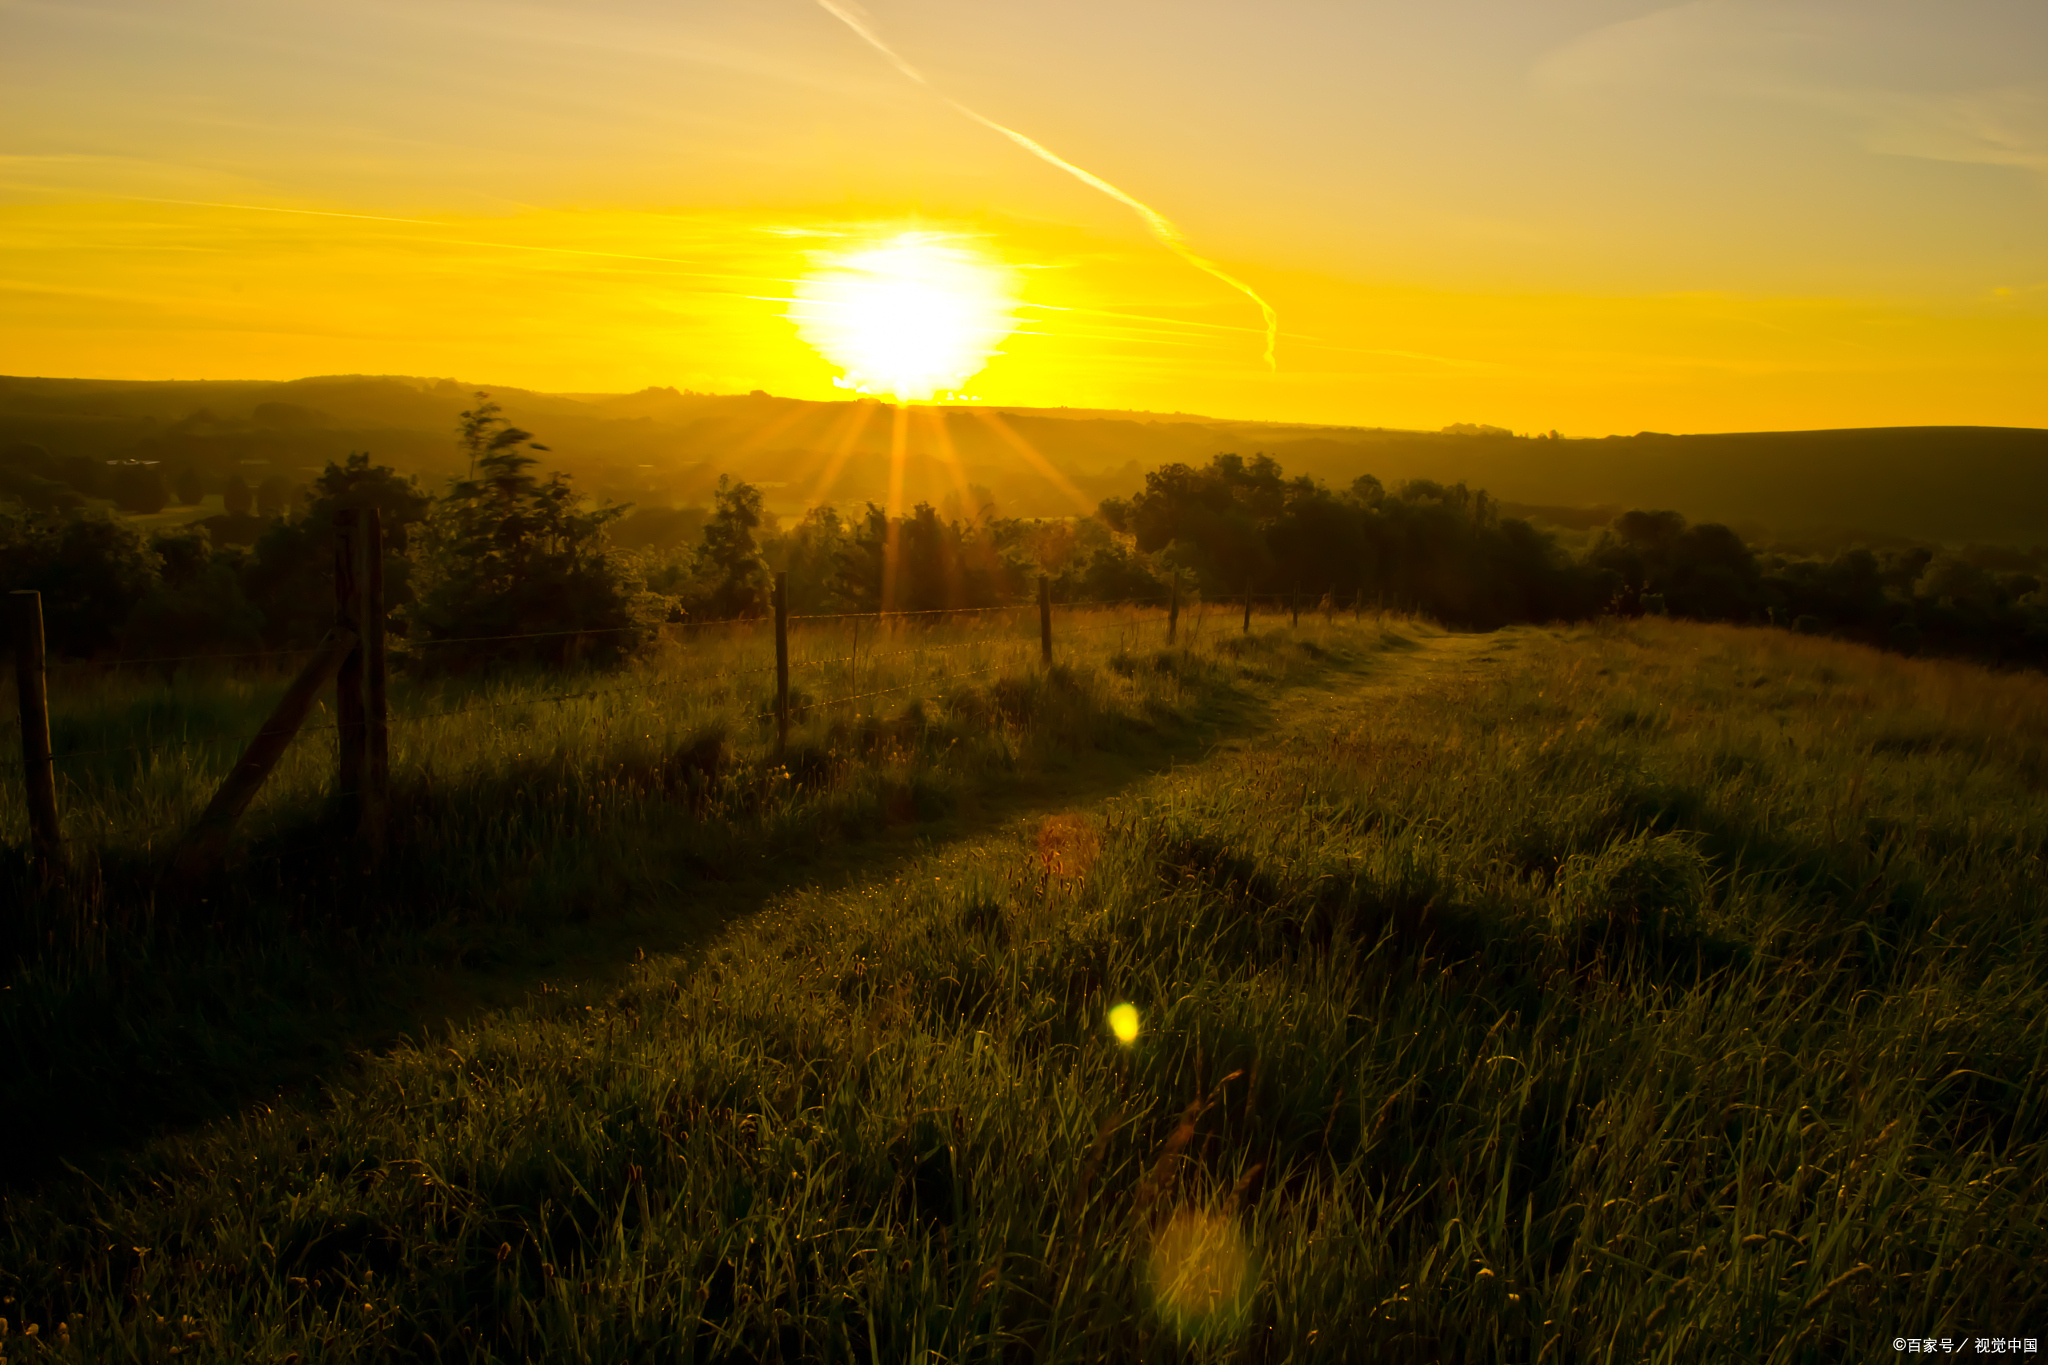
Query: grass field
<point x="1650" y="991"/>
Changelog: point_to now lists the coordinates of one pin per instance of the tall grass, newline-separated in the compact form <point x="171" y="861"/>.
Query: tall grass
<point x="1659" y="992"/>
<point x="519" y="805"/>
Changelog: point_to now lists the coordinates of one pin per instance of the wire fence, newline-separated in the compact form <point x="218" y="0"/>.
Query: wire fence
<point x="11" y="758"/>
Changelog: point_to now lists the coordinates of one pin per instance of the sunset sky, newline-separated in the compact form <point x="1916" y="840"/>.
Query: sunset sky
<point x="1589" y="215"/>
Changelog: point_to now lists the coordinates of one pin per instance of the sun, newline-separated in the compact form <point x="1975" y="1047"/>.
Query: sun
<point x="912" y="315"/>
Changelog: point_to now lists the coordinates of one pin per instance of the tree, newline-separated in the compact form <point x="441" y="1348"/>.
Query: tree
<point x="236" y="497"/>
<point x="810" y="553"/>
<point x="290" y="575"/>
<point x="732" y="577"/>
<point x="140" y="488"/>
<point x="511" y="556"/>
<point x="182" y="555"/>
<point x="1214" y="515"/>
<point x="200" y="611"/>
<point x="90" y="570"/>
<point x="33" y="477"/>
<point x="191" y="489"/>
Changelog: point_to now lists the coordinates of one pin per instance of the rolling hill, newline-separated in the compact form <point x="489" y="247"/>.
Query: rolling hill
<point x="664" y="447"/>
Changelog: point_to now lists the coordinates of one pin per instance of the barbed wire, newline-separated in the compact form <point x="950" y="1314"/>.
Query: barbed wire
<point x="402" y="643"/>
<point x="13" y="761"/>
<point x="886" y="691"/>
<point x="1023" y="605"/>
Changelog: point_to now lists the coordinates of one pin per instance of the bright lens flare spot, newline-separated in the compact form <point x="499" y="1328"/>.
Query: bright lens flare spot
<point x="912" y="316"/>
<point x="1200" y="1274"/>
<point x="1123" y="1022"/>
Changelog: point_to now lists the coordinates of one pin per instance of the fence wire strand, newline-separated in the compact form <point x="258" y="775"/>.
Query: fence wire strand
<point x="1011" y="645"/>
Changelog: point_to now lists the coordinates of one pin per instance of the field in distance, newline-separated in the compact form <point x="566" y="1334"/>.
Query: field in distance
<point x="1606" y="993"/>
<point x="662" y="448"/>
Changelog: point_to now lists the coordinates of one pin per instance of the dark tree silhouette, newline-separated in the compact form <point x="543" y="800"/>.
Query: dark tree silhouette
<point x="512" y="556"/>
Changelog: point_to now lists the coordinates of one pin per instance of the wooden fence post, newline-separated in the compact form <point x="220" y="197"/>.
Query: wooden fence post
<point x="1045" y="619"/>
<point x="348" y="681"/>
<point x="1173" y="609"/>
<point x="781" y="662"/>
<point x="376" y="713"/>
<point x="1248" y="606"/>
<point x="38" y="770"/>
<point x="210" y="835"/>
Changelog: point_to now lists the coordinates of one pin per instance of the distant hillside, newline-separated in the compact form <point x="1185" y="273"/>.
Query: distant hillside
<point x="662" y="447"/>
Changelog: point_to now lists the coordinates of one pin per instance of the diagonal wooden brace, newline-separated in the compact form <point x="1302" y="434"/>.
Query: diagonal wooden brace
<point x="209" y="837"/>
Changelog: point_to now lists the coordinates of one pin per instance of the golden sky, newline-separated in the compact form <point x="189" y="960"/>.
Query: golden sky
<point x="1587" y="215"/>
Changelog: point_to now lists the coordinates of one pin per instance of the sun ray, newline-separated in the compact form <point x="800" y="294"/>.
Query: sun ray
<point x="1036" y="460"/>
<point x="942" y="448"/>
<point x="855" y="422"/>
<point x="839" y="436"/>
<point x="758" y="438"/>
<point x="899" y="430"/>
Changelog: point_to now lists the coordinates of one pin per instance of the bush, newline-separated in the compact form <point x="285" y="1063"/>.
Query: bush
<point x="204" y="613"/>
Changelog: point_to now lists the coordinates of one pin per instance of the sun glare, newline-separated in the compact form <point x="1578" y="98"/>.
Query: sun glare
<point x="913" y="316"/>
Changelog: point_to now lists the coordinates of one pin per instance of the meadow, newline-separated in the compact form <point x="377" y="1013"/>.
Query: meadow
<point x="1358" y="990"/>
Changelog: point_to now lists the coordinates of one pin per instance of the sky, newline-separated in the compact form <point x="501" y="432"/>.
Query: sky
<point x="1590" y="216"/>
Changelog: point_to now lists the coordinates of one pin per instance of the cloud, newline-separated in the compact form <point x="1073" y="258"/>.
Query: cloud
<point x="1957" y="82"/>
<point x="2005" y="127"/>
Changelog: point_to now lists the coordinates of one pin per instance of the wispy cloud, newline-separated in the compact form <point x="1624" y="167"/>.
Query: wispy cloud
<point x="1963" y="82"/>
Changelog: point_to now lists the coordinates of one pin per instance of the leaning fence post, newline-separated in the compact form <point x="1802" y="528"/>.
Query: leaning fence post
<point x="1173" y="609"/>
<point x="1247" y="606"/>
<point x="781" y="662"/>
<point x="348" y="683"/>
<point x="38" y="769"/>
<point x="1045" y="619"/>
<point x="376" y="715"/>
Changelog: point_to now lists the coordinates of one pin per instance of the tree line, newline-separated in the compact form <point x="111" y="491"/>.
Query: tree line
<point x="503" y="552"/>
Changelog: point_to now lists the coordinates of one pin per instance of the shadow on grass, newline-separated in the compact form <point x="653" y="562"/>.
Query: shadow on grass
<point x="142" y="1004"/>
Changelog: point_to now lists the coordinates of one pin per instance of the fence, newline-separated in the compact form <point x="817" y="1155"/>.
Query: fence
<point x="354" y="657"/>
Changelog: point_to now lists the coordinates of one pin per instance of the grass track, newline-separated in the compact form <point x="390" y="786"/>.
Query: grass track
<point x="1650" y="992"/>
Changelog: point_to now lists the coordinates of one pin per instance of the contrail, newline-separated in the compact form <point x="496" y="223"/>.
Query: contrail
<point x="1162" y="229"/>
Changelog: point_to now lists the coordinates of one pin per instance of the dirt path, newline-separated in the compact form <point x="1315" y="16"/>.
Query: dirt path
<point x="1345" y="696"/>
<point x="1341" y="697"/>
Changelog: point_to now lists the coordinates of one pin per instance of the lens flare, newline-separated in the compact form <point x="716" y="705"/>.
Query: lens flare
<point x="1200" y="1274"/>
<point x="1123" y="1022"/>
<point x="912" y="316"/>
